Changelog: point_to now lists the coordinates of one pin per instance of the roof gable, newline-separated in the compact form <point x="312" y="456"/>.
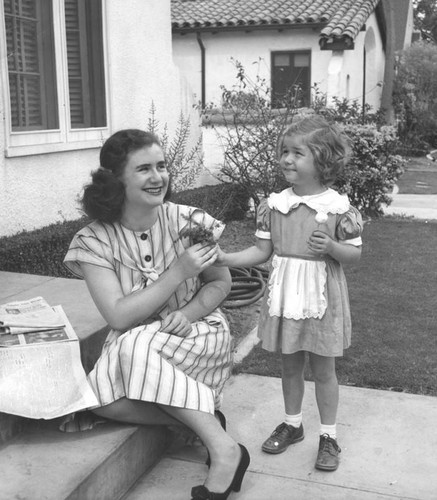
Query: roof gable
<point x="338" y="19"/>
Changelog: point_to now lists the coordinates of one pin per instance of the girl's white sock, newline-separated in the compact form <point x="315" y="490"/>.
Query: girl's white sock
<point x="294" y="420"/>
<point x="331" y="430"/>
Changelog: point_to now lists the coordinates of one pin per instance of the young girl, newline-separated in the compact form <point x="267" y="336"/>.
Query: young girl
<point x="311" y="230"/>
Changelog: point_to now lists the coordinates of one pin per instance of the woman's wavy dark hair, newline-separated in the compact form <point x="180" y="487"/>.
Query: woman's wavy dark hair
<point x="328" y="144"/>
<point x="103" y="198"/>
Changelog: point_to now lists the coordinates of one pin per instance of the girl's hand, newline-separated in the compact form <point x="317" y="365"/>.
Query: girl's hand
<point x="320" y="243"/>
<point x="220" y="261"/>
<point x="195" y="259"/>
<point x="176" y="324"/>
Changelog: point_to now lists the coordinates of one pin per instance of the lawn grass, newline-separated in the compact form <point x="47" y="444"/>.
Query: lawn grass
<point x="393" y="302"/>
<point x="418" y="182"/>
<point x="419" y="177"/>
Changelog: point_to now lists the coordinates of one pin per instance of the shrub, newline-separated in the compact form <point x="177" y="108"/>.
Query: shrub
<point x="374" y="167"/>
<point x="41" y="251"/>
<point x="225" y="202"/>
<point x="250" y="129"/>
<point x="184" y="165"/>
<point x="415" y="97"/>
<point x="373" y="170"/>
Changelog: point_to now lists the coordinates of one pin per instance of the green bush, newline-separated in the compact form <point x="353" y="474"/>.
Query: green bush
<point x="184" y="165"/>
<point x="373" y="169"/>
<point x="415" y="98"/>
<point x="41" y="251"/>
<point x="225" y="202"/>
<point x="250" y="128"/>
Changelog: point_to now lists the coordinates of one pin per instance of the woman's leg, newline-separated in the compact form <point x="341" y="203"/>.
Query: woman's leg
<point x="223" y="450"/>
<point x="293" y="385"/>
<point x="326" y="386"/>
<point x="135" y="412"/>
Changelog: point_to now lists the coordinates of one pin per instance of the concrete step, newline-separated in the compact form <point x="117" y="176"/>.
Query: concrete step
<point x="74" y="297"/>
<point x="37" y="461"/>
<point x="43" y="463"/>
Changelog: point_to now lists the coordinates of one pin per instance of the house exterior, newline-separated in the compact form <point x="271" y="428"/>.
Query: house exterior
<point x="345" y="47"/>
<point x="72" y="72"/>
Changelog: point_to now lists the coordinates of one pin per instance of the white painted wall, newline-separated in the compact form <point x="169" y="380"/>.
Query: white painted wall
<point x="42" y="189"/>
<point x="336" y="73"/>
<point x="254" y="49"/>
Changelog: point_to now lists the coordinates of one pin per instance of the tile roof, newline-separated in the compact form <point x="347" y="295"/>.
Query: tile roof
<point x="337" y="18"/>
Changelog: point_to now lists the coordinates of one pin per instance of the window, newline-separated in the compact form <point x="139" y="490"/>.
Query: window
<point x="83" y="25"/>
<point x="291" y="78"/>
<point x="55" y="73"/>
<point x="32" y="78"/>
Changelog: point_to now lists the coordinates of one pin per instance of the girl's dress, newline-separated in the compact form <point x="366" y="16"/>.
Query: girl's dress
<point x="144" y="363"/>
<point x="306" y="305"/>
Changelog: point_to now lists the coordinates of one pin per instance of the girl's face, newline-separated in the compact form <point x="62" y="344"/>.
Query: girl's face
<point x="145" y="177"/>
<point x="297" y="164"/>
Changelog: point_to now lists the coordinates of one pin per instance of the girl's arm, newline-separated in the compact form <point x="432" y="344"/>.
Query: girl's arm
<point x="322" y="244"/>
<point x="256" y="254"/>
<point x="123" y="312"/>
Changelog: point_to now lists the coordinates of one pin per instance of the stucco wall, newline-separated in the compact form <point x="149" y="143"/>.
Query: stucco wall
<point x="336" y="73"/>
<point x="41" y="189"/>
<point x="256" y="46"/>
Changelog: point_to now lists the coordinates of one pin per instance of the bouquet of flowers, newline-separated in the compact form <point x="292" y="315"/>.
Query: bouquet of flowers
<point x="198" y="232"/>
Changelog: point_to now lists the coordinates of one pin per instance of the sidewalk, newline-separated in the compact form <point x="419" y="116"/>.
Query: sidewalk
<point x="388" y="441"/>
<point x="413" y="205"/>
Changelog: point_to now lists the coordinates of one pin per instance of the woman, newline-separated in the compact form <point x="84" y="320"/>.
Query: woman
<point x="167" y="356"/>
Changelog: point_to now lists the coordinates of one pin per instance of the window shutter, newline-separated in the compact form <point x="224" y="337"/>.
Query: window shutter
<point x="31" y="78"/>
<point x="83" y="21"/>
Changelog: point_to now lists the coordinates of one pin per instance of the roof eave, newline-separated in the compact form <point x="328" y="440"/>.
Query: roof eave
<point x="248" y="27"/>
<point x="336" y="43"/>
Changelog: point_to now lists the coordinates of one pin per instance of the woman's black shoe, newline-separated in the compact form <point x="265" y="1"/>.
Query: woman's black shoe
<point x="222" y="420"/>
<point x="202" y="493"/>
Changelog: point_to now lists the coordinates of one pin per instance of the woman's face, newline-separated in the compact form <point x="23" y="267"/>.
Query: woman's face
<point x="145" y="177"/>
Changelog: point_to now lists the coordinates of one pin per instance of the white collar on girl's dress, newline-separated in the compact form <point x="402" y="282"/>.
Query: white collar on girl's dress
<point x="329" y="201"/>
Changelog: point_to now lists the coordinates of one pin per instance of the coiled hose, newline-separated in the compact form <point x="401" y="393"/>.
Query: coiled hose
<point x="248" y="285"/>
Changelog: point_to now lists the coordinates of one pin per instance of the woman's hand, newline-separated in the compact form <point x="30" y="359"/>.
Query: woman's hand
<point x="320" y="243"/>
<point x="176" y="323"/>
<point x="196" y="259"/>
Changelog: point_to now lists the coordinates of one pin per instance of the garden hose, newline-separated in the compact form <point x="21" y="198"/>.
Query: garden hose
<point x="248" y="285"/>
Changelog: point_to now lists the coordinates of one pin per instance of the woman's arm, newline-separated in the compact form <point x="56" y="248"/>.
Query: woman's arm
<point x="123" y="312"/>
<point x="216" y="287"/>
<point x="256" y="254"/>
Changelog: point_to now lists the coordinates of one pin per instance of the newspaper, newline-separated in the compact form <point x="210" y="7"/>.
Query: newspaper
<point x="41" y="374"/>
<point x="29" y="316"/>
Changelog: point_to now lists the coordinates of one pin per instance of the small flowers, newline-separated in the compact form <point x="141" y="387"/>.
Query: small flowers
<point x="198" y="232"/>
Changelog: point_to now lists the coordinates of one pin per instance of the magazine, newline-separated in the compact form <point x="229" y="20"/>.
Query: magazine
<point x="41" y="374"/>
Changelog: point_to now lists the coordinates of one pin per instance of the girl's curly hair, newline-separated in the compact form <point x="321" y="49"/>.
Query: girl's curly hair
<point x="103" y="198"/>
<point x="328" y="144"/>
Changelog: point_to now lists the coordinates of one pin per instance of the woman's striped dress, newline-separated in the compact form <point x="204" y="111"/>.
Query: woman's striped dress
<point x="144" y="363"/>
